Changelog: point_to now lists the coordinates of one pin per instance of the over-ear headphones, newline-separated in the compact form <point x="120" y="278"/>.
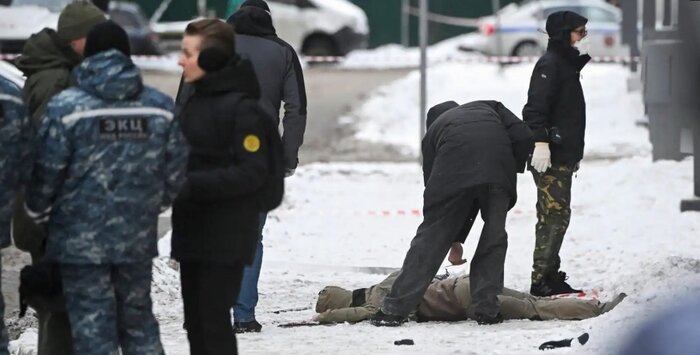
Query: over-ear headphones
<point x="213" y="59"/>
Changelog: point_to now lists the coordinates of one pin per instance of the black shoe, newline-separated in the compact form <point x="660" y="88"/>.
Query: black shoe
<point x="381" y="319"/>
<point x="247" y="327"/>
<point x="562" y="286"/>
<point x="554" y="285"/>
<point x="483" y="319"/>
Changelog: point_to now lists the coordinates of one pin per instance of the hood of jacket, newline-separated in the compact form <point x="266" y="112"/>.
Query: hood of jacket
<point x="238" y="75"/>
<point x="561" y="23"/>
<point x="437" y="110"/>
<point x="109" y="75"/>
<point x="45" y="50"/>
<point x="251" y="20"/>
<point x="333" y="297"/>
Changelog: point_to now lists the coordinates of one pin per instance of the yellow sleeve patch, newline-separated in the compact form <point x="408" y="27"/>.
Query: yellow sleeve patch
<point x="251" y="143"/>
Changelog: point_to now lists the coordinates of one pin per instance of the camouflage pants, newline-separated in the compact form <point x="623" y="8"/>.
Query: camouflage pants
<point x="553" y="216"/>
<point x="109" y="306"/>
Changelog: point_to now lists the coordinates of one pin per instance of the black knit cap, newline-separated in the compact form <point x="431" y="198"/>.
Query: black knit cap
<point x="561" y="23"/>
<point x="256" y="3"/>
<point x="437" y="110"/>
<point x="105" y="36"/>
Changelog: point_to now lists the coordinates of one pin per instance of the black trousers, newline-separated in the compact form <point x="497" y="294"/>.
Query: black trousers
<point x="208" y="292"/>
<point x="441" y="226"/>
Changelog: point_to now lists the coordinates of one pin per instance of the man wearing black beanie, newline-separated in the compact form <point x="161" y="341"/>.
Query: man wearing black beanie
<point x="105" y="36"/>
<point x="471" y="156"/>
<point x="556" y="113"/>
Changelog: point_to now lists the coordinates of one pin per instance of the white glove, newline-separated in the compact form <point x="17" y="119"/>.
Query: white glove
<point x="583" y="46"/>
<point x="541" y="157"/>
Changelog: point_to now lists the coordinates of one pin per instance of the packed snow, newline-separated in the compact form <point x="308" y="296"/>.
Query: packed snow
<point x="350" y="224"/>
<point x="391" y="115"/>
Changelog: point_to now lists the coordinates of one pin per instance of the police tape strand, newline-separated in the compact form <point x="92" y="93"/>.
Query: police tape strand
<point x="396" y="59"/>
<point x="357" y="213"/>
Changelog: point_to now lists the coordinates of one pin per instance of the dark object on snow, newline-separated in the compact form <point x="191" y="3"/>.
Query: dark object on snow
<point x="286" y="310"/>
<point x="566" y="343"/>
<point x="40" y="287"/>
<point x="303" y="323"/>
<point x="404" y="342"/>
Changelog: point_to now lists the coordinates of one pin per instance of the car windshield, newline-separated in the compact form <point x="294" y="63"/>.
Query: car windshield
<point x="52" y="5"/>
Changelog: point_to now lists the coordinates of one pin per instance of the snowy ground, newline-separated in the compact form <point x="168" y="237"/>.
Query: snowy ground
<point x="349" y="224"/>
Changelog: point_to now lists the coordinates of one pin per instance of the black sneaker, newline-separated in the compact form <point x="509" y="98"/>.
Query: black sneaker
<point x="381" y="319"/>
<point x="247" y="327"/>
<point x="561" y="286"/>
<point x="483" y="319"/>
<point x="553" y="285"/>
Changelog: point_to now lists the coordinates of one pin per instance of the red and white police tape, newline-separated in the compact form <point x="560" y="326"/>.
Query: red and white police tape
<point x="359" y="213"/>
<point x="371" y="59"/>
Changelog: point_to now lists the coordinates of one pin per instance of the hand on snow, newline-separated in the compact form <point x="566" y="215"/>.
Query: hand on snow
<point x="541" y="157"/>
<point x="289" y="172"/>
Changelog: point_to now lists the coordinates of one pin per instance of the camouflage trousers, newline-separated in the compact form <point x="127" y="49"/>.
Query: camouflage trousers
<point x="109" y="307"/>
<point x="553" y="216"/>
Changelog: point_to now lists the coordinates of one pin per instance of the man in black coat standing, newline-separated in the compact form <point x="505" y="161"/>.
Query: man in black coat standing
<point x="281" y="78"/>
<point x="556" y="114"/>
<point x="472" y="154"/>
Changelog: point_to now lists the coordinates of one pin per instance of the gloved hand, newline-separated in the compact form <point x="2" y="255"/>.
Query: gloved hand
<point x="541" y="157"/>
<point x="289" y="172"/>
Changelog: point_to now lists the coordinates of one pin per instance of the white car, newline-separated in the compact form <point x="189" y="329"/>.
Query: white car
<point x="10" y="72"/>
<point x="312" y="27"/>
<point x="521" y="28"/>
<point x="320" y="27"/>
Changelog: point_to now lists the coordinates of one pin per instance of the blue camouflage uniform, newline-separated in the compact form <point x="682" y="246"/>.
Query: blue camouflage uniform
<point x="14" y="148"/>
<point x="110" y="158"/>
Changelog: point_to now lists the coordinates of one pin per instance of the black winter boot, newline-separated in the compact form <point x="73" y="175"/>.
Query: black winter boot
<point x="552" y="285"/>
<point x="247" y="327"/>
<point x="381" y="319"/>
<point x="483" y="319"/>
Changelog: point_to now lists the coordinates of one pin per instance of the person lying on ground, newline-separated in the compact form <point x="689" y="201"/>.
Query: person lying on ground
<point x="449" y="299"/>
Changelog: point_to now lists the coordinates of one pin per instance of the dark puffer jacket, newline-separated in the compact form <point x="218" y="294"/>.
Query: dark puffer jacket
<point x="279" y="73"/>
<point x="215" y="217"/>
<point x="555" y="97"/>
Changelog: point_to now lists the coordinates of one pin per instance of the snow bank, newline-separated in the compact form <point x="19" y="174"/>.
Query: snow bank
<point x="391" y="115"/>
<point x="394" y="56"/>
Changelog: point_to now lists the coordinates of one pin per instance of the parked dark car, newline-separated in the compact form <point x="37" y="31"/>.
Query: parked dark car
<point x="141" y="38"/>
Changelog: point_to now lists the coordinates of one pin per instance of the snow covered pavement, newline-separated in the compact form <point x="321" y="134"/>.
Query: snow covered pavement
<point x="348" y="224"/>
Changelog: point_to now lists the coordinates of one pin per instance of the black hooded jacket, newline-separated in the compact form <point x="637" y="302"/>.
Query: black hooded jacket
<point x="279" y="72"/>
<point x="555" y="97"/>
<point x="215" y="217"/>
